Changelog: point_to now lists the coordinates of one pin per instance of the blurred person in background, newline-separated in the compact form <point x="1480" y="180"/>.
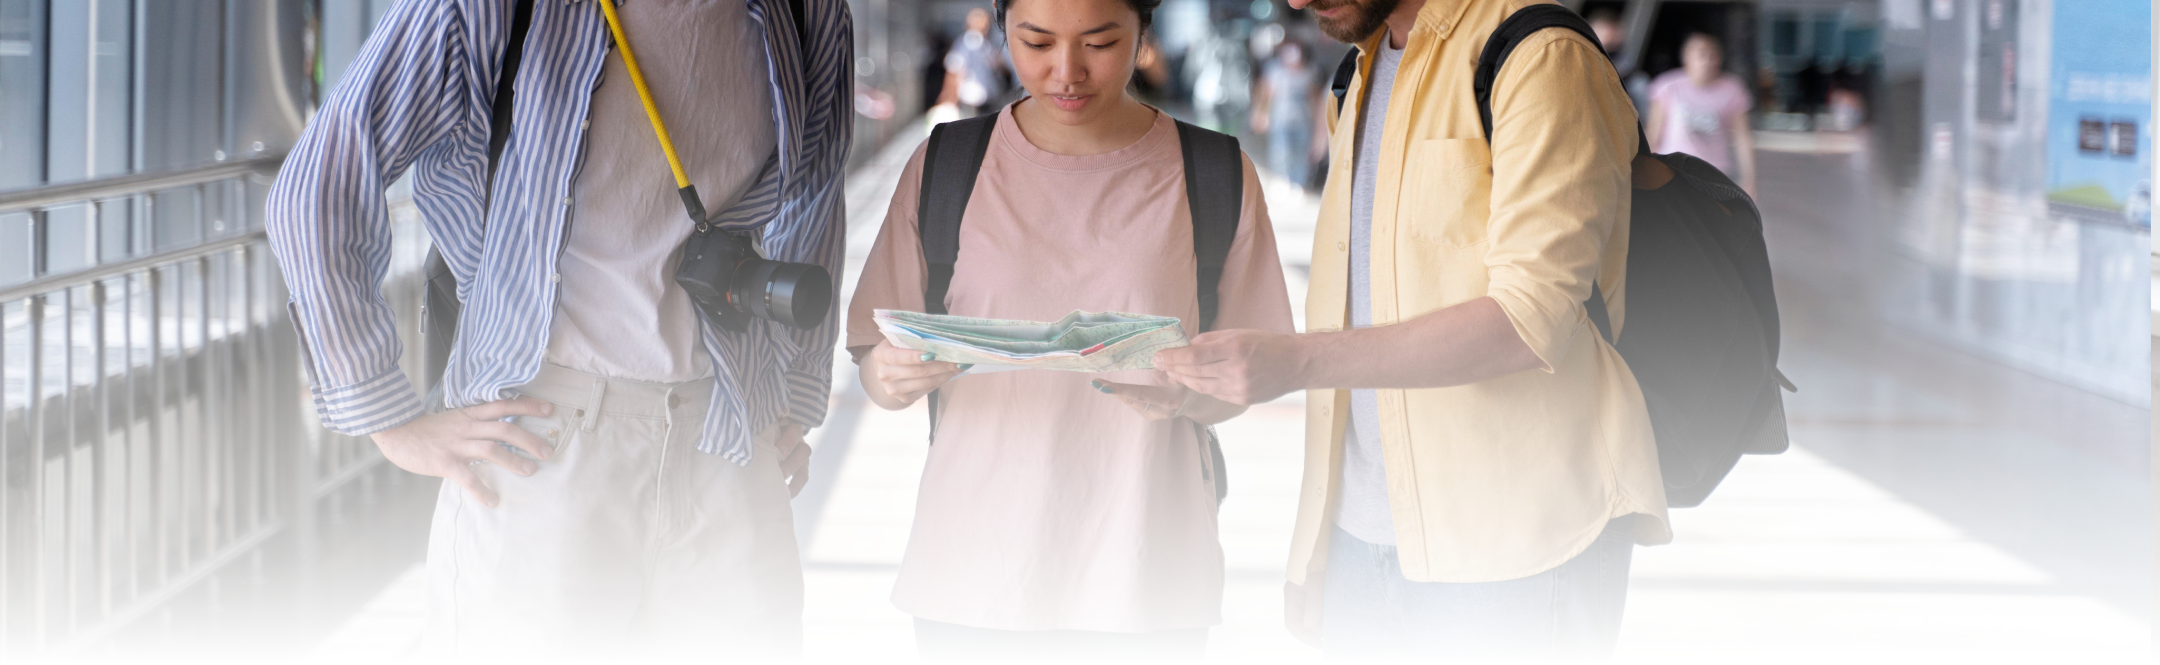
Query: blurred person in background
<point x="1151" y="76"/>
<point x="1062" y="518"/>
<point x="1220" y="69"/>
<point x="1612" y="33"/>
<point x="1479" y="461"/>
<point x="1701" y="110"/>
<point x="975" y="71"/>
<point x="1282" y="111"/>
<point x="617" y="469"/>
<point x="1605" y="23"/>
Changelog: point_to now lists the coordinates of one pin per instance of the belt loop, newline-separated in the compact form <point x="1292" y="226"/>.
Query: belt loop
<point x="670" y="400"/>
<point x="592" y="404"/>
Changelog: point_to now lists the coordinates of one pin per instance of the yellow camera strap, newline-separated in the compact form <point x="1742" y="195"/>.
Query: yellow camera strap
<point x="683" y="188"/>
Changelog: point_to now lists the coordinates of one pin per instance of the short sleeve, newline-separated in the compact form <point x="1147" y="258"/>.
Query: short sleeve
<point x="895" y="275"/>
<point x="1661" y="88"/>
<point x="1737" y="98"/>
<point x="1252" y="293"/>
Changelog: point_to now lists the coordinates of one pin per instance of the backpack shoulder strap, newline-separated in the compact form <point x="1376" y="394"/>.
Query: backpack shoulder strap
<point x="505" y="85"/>
<point x="950" y="163"/>
<point x="1518" y="26"/>
<point x="1215" y="189"/>
<point x="1340" y="85"/>
<point x="951" y="159"/>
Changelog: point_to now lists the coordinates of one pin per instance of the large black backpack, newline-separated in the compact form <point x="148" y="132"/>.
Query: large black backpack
<point x="1702" y="319"/>
<point x="1214" y="191"/>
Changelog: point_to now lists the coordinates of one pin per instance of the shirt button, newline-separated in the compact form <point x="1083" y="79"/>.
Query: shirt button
<point x="1339" y="246"/>
<point x="555" y="277"/>
<point x="566" y="200"/>
<point x="584" y="124"/>
<point x="553" y="433"/>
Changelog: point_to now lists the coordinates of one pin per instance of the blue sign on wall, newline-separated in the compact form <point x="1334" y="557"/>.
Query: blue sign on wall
<point x="2099" y="138"/>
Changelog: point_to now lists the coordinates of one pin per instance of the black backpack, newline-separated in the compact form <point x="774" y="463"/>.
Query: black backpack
<point x="1702" y="328"/>
<point x="1214" y="188"/>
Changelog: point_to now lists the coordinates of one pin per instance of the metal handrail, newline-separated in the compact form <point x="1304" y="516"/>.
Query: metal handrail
<point x="85" y="276"/>
<point x="128" y="185"/>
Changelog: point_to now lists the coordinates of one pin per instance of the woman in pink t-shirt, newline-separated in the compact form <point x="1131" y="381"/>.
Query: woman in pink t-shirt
<point x="1053" y="519"/>
<point x="1700" y="110"/>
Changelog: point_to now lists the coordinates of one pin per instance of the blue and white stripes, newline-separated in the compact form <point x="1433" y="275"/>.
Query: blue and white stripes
<point x="418" y="97"/>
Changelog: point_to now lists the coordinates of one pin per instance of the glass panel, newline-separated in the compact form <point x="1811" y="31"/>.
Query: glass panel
<point x="14" y="362"/>
<point x="15" y="246"/>
<point x="22" y="95"/>
<point x="182" y="89"/>
<point x="257" y="189"/>
<point x="116" y="229"/>
<point x="112" y="89"/>
<point x="69" y="242"/>
<point x="82" y="338"/>
<point x="177" y="217"/>
<point x="67" y="107"/>
<point x="17" y="520"/>
<point x="224" y="217"/>
<point x="142" y="413"/>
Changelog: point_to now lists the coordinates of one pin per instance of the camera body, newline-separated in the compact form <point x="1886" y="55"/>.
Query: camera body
<point x="731" y="284"/>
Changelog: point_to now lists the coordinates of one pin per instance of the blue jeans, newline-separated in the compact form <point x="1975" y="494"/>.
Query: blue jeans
<point x="1569" y="612"/>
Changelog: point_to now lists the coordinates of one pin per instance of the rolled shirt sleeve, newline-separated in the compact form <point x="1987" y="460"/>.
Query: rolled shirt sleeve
<point x="1563" y="137"/>
<point x="328" y="222"/>
<point x="819" y="236"/>
<point x="809" y="373"/>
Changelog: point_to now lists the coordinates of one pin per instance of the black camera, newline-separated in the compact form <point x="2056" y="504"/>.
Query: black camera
<point x="732" y="284"/>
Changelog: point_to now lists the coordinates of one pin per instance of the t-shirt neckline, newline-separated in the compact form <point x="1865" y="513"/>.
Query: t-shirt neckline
<point x="1009" y="135"/>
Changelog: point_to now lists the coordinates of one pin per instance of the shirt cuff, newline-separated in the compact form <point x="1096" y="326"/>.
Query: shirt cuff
<point x="370" y="406"/>
<point x="808" y="395"/>
<point x="1546" y="322"/>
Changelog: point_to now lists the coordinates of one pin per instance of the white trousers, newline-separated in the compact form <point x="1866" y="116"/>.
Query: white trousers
<point x="627" y="542"/>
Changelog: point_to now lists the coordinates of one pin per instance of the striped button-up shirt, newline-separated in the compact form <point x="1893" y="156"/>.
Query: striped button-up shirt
<point x="419" y="97"/>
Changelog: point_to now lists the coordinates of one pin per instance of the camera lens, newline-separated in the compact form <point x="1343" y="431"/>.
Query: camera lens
<point x="793" y="294"/>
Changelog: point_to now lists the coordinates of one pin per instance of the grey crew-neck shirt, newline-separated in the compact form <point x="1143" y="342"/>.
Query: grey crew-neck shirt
<point x="1363" y="511"/>
<point x="618" y="311"/>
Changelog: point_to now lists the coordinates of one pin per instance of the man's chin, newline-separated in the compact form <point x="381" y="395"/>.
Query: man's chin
<point x="1339" y="30"/>
<point x="1349" y="27"/>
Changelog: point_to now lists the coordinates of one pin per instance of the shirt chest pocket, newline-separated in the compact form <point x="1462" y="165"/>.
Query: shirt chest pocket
<point x="1446" y="191"/>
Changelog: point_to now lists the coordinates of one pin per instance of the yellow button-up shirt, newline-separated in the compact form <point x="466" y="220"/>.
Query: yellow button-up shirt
<point x="1511" y="476"/>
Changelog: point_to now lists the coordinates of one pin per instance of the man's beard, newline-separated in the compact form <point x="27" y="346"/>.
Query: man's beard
<point x="1365" y="17"/>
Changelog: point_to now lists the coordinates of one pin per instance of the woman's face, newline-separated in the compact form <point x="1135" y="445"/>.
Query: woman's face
<point x="1075" y="56"/>
<point x="1702" y="59"/>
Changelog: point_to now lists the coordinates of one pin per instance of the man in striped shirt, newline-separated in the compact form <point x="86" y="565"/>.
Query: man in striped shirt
<point x="618" y="471"/>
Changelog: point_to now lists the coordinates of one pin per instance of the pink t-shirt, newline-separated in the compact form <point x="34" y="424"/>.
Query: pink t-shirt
<point x="1046" y="505"/>
<point x="1697" y="117"/>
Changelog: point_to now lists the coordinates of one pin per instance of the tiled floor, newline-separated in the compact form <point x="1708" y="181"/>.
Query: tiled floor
<point x="1935" y="507"/>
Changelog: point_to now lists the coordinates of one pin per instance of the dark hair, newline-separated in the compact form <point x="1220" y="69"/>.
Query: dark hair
<point x="1145" y="8"/>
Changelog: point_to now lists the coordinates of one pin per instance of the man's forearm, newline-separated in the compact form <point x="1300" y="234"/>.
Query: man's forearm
<point x="1463" y="344"/>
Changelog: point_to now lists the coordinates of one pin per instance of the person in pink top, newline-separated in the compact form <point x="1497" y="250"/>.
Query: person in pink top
<point x="1065" y="514"/>
<point x="1701" y="110"/>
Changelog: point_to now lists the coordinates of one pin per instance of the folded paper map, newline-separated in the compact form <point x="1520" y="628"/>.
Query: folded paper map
<point x="1080" y="342"/>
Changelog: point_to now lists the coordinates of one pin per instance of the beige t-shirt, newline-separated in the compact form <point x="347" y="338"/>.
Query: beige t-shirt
<point x="1045" y="504"/>
<point x="619" y="312"/>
